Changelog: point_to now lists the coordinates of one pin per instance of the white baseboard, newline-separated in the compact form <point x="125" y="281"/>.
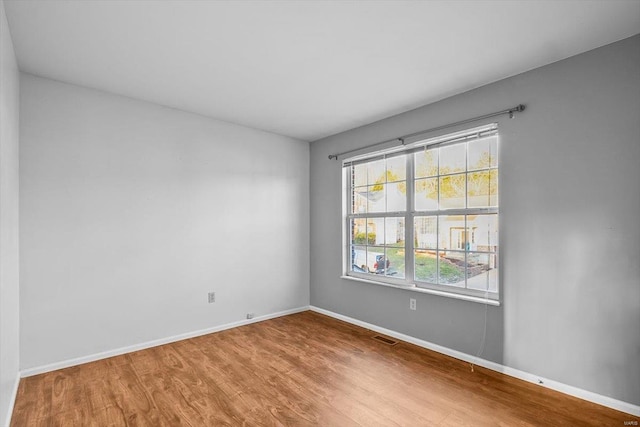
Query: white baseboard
<point x="106" y="354"/>
<point x="12" y="400"/>
<point x="516" y="373"/>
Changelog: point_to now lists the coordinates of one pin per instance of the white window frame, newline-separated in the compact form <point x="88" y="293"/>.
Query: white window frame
<point x="409" y="282"/>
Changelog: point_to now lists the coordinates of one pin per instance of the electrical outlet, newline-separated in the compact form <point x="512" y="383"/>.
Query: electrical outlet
<point x="212" y="297"/>
<point x="249" y="315"/>
<point x="412" y="303"/>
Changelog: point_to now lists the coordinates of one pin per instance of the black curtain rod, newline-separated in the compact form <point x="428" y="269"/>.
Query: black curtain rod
<point x="509" y="111"/>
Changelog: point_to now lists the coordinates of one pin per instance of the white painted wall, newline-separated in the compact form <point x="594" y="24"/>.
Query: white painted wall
<point x="569" y="230"/>
<point x="132" y="212"/>
<point x="9" y="291"/>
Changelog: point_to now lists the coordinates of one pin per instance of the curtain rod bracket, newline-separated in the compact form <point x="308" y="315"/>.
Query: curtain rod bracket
<point x="518" y="109"/>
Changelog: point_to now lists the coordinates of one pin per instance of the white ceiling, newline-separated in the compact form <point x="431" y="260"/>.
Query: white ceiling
<point x="306" y="69"/>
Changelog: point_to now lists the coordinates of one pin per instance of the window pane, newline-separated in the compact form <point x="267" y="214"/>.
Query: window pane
<point x="482" y="272"/>
<point x="426" y="194"/>
<point x="426" y="163"/>
<point x="397" y="168"/>
<point x="426" y="232"/>
<point x="482" y="188"/>
<point x="375" y="229"/>
<point x="482" y="232"/>
<point x="359" y="259"/>
<point x="397" y="197"/>
<point x="452" y="191"/>
<point x="359" y="231"/>
<point x="483" y="153"/>
<point x="453" y="158"/>
<point x="359" y="200"/>
<point x="375" y="172"/>
<point x="375" y="198"/>
<point x="493" y="187"/>
<point x="426" y="266"/>
<point x="395" y="263"/>
<point x="394" y="232"/>
<point x="452" y="233"/>
<point x="376" y="260"/>
<point x="451" y="268"/>
<point x="359" y="177"/>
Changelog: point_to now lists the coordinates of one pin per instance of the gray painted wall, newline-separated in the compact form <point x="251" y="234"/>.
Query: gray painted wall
<point x="570" y="236"/>
<point x="9" y="292"/>
<point x="132" y="212"/>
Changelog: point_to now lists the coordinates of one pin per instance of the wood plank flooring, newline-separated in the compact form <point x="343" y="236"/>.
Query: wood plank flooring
<point x="302" y="369"/>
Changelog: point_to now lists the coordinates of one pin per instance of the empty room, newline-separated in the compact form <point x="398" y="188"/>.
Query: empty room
<point x="332" y="213"/>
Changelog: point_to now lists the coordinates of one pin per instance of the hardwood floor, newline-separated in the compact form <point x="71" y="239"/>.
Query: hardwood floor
<point x="302" y="369"/>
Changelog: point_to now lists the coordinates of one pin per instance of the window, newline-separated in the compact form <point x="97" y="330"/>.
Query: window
<point x="427" y="216"/>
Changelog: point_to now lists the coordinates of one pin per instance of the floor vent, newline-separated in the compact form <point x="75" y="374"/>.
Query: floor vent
<point x="385" y="340"/>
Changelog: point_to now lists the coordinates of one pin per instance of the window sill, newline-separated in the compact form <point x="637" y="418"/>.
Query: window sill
<point x="414" y="288"/>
